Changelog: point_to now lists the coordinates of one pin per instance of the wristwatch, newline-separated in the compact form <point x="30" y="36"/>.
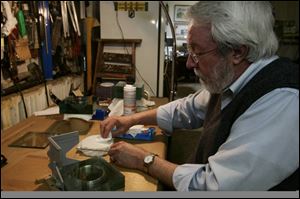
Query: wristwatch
<point x="148" y="160"/>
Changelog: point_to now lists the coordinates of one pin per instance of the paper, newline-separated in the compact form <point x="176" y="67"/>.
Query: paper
<point x="49" y="111"/>
<point x="85" y="117"/>
<point x="136" y="129"/>
<point x="116" y="107"/>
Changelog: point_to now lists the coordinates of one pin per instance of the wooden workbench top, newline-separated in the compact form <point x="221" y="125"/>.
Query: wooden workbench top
<point x="26" y="165"/>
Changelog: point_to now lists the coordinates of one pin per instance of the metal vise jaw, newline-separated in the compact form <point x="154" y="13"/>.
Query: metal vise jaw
<point x="59" y="146"/>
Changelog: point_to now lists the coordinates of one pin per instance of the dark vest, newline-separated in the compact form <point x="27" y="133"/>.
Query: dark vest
<point x="278" y="74"/>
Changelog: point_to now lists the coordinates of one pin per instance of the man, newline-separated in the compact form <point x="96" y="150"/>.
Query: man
<point x="253" y="143"/>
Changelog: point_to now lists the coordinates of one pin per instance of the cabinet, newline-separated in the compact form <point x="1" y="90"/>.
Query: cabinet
<point x="114" y="66"/>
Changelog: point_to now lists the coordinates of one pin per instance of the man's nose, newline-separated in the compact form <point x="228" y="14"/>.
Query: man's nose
<point x="190" y="64"/>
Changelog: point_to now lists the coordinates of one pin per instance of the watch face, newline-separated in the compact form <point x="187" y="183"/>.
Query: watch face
<point x="148" y="159"/>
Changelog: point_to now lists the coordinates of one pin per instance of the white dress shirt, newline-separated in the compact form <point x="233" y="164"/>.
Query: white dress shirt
<point x="261" y="150"/>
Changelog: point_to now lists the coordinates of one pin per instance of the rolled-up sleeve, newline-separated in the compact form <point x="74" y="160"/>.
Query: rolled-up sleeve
<point x="190" y="177"/>
<point x="185" y="113"/>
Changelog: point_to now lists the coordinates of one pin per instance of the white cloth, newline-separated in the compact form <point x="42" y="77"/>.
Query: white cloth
<point x="95" y="145"/>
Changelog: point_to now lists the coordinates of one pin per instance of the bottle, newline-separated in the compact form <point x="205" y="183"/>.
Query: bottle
<point x="129" y="99"/>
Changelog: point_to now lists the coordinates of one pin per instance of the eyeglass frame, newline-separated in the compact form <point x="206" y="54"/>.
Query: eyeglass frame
<point x="195" y="56"/>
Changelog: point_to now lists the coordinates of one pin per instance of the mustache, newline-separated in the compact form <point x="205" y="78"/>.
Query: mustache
<point x="197" y="73"/>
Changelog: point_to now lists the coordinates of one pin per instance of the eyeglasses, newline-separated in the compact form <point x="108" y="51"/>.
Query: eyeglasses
<point x="196" y="56"/>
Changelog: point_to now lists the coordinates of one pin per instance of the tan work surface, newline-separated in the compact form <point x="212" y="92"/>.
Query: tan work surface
<point x="26" y="165"/>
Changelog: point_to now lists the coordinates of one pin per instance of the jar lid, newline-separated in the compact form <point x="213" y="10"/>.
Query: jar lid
<point x="107" y="84"/>
<point x="129" y="87"/>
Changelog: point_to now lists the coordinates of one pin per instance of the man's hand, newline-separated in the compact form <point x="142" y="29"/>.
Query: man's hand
<point x="122" y="124"/>
<point x="132" y="157"/>
<point x="127" y="155"/>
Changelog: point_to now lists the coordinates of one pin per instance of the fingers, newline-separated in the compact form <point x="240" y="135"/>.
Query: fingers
<point x="112" y="159"/>
<point x="114" y="151"/>
<point x="115" y="148"/>
<point x="121" y="123"/>
<point x="106" y="126"/>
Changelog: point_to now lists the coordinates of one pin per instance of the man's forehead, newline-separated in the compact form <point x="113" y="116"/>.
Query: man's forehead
<point x="198" y="33"/>
<point x="199" y="28"/>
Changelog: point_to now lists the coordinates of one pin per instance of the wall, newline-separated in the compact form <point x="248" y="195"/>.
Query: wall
<point x="143" y="26"/>
<point x="288" y="10"/>
<point x="171" y="5"/>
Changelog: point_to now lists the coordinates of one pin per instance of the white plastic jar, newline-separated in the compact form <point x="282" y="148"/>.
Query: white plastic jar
<point x="129" y="99"/>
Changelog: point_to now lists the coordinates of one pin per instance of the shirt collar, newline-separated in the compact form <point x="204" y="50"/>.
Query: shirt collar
<point x="246" y="76"/>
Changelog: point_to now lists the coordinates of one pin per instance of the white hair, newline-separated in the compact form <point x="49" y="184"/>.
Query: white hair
<point x="236" y="23"/>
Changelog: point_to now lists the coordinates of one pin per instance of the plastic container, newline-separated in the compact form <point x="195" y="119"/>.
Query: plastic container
<point x="104" y="91"/>
<point x="129" y="99"/>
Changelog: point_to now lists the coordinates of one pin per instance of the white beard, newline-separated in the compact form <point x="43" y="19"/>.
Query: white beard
<point x="221" y="77"/>
<point x="196" y="72"/>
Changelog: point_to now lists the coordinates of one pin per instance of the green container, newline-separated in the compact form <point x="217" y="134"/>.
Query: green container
<point x="139" y="90"/>
<point x="21" y="23"/>
<point x="76" y="105"/>
<point x="118" y="89"/>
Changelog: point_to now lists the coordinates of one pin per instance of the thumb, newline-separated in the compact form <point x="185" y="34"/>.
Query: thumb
<point x="118" y="131"/>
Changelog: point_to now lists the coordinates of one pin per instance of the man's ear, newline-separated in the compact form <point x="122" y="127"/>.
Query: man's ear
<point x="239" y="54"/>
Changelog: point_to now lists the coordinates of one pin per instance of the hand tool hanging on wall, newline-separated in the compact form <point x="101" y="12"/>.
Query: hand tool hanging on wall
<point x="9" y="33"/>
<point x="45" y="39"/>
<point x="12" y="54"/>
<point x="21" y="44"/>
<point x="5" y="62"/>
<point x="73" y="16"/>
<point x="34" y="34"/>
<point x="82" y="9"/>
<point x="39" y="37"/>
<point x="89" y="27"/>
<point x="64" y="14"/>
<point x="56" y="33"/>
<point x="30" y="24"/>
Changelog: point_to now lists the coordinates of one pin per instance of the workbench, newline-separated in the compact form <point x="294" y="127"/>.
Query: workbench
<point x="26" y="165"/>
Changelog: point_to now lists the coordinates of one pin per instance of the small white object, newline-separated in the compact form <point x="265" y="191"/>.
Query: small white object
<point x="136" y="129"/>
